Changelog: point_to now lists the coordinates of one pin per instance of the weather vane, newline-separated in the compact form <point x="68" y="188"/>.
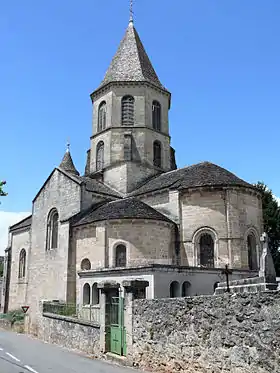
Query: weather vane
<point x="131" y="11"/>
<point x="68" y="146"/>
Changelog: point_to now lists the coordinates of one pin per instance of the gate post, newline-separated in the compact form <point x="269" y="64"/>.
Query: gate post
<point x="133" y="289"/>
<point x="105" y="287"/>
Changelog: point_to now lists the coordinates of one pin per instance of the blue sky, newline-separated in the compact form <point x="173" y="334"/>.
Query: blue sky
<point x="220" y="60"/>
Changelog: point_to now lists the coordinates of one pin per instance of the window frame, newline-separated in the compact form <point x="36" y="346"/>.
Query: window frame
<point x="86" y="294"/>
<point x="83" y="262"/>
<point x="102" y="116"/>
<point x="52" y="226"/>
<point x="95" y="295"/>
<point x="119" y="261"/>
<point x="22" y="264"/>
<point x="212" y="263"/>
<point x="196" y="244"/>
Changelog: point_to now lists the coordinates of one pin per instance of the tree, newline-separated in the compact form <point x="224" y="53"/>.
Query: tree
<point x="2" y="193"/>
<point x="271" y="221"/>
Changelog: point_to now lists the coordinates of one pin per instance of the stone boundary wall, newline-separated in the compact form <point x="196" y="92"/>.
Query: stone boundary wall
<point x="71" y="333"/>
<point x="237" y="333"/>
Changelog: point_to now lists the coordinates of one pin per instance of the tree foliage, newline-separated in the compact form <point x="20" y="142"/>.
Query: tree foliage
<point x="2" y="193"/>
<point x="271" y="221"/>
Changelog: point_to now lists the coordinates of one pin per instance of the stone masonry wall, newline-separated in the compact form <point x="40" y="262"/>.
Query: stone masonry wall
<point x="71" y="333"/>
<point x="18" y="286"/>
<point x="237" y="333"/>
<point x="147" y="242"/>
<point x="125" y="179"/>
<point x="48" y="269"/>
<point x="230" y="215"/>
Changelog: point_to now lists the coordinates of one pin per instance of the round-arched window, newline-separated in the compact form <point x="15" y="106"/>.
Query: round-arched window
<point x="22" y="264"/>
<point x="120" y="256"/>
<point x="174" y="289"/>
<point x="86" y="294"/>
<point x="95" y="294"/>
<point x="85" y="264"/>
<point x="206" y="245"/>
<point x="186" y="287"/>
<point x="252" y="252"/>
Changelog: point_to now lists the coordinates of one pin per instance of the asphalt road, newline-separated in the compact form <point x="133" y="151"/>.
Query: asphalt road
<point x="20" y="353"/>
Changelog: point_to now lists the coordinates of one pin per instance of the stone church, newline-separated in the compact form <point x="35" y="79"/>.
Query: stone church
<point x="132" y="214"/>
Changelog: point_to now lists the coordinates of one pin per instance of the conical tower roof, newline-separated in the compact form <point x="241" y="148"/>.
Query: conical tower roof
<point x="131" y="62"/>
<point x="67" y="163"/>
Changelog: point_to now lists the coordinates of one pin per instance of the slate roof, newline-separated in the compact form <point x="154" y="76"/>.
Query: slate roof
<point x="67" y="164"/>
<point x="92" y="185"/>
<point x="198" y="175"/>
<point x="128" y="208"/>
<point x="96" y="186"/>
<point x="131" y="62"/>
<point x="24" y="223"/>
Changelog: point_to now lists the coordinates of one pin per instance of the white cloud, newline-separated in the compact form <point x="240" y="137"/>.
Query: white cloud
<point x="7" y="219"/>
<point x="278" y="200"/>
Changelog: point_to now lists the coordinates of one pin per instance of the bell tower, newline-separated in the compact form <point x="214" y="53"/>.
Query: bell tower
<point x="130" y="139"/>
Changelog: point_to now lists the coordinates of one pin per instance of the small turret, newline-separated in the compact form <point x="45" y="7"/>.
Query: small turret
<point x="67" y="163"/>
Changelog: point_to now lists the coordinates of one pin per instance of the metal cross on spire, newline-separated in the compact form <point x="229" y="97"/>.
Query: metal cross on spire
<point x="68" y="146"/>
<point x="131" y="11"/>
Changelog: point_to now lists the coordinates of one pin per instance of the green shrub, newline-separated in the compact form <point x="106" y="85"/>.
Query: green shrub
<point x="15" y="316"/>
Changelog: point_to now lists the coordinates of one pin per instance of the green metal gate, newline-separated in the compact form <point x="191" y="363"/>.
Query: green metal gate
<point x="116" y="334"/>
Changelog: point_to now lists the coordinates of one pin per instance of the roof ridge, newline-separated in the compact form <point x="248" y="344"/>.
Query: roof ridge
<point x="109" y="186"/>
<point x="159" y="175"/>
<point x="201" y="174"/>
<point x="21" y="221"/>
<point x="83" y="213"/>
<point x="124" y="209"/>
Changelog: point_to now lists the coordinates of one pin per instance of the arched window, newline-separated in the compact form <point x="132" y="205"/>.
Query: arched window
<point x="156" y="115"/>
<point x="95" y="294"/>
<point x="252" y="252"/>
<point x="120" y="256"/>
<point x="174" y="289"/>
<point x="86" y="294"/>
<point x="186" y="287"/>
<point x="100" y="156"/>
<point x="206" y="244"/>
<point x="52" y="230"/>
<point x="22" y="264"/>
<point x="157" y="154"/>
<point x="85" y="265"/>
<point x="127" y="111"/>
<point x="102" y="116"/>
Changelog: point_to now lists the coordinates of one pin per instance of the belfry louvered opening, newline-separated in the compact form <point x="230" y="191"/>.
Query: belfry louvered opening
<point x="128" y="111"/>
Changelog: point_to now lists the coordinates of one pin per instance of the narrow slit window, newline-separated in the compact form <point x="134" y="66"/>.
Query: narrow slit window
<point x="156" y="108"/>
<point x="100" y="156"/>
<point x="157" y="154"/>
